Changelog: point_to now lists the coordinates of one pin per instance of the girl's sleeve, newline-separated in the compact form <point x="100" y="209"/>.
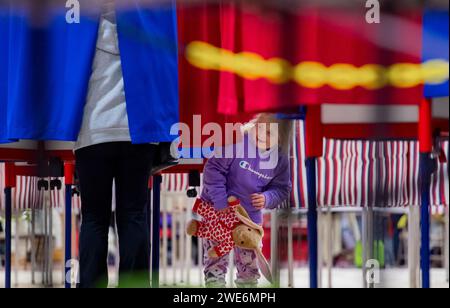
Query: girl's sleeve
<point x="279" y="188"/>
<point x="215" y="181"/>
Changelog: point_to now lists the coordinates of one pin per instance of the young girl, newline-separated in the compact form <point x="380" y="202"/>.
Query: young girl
<point x="260" y="179"/>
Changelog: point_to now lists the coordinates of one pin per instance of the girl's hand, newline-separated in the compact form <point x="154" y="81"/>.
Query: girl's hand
<point x="258" y="201"/>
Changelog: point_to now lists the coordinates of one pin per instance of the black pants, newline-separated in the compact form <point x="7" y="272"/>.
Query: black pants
<point x="129" y="165"/>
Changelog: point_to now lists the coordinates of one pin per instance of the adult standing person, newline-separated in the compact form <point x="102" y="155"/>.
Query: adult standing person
<point x="105" y="152"/>
<point x="109" y="81"/>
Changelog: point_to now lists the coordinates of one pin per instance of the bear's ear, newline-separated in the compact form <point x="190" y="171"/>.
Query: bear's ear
<point x="260" y="231"/>
<point x="249" y="223"/>
<point x="243" y="212"/>
<point x="264" y="266"/>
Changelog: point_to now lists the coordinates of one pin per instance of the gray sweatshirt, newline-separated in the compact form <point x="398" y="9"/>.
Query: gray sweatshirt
<point x="105" y="115"/>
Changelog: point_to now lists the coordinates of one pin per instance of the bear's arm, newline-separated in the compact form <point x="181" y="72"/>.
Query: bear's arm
<point x="205" y="210"/>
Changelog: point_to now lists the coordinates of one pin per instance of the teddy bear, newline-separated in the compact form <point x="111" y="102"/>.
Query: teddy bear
<point x="229" y="228"/>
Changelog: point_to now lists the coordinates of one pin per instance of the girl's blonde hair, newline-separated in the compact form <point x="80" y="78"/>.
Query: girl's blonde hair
<point x="284" y="129"/>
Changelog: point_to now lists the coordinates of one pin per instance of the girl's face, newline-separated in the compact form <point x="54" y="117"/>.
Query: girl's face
<point x="266" y="132"/>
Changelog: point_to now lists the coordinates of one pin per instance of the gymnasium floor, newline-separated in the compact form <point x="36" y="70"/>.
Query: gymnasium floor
<point x="342" y="278"/>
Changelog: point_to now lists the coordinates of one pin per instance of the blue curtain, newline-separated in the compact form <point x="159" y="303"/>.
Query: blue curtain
<point x="46" y="66"/>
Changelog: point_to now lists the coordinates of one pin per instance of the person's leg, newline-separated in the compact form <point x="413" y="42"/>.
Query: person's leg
<point x="247" y="268"/>
<point x="95" y="173"/>
<point x="215" y="270"/>
<point x="133" y="172"/>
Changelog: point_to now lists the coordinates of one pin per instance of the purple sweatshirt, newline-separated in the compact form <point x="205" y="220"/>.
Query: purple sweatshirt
<point x="242" y="177"/>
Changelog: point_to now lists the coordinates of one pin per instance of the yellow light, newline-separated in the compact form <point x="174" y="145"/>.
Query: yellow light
<point x="314" y="75"/>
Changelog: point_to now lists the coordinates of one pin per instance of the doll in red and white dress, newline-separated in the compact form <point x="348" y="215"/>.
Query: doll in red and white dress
<point x="228" y="228"/>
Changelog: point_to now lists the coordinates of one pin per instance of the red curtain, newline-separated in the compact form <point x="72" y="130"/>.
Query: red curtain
<point x="323" y="36"/>
<point x="214" y="95"/>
